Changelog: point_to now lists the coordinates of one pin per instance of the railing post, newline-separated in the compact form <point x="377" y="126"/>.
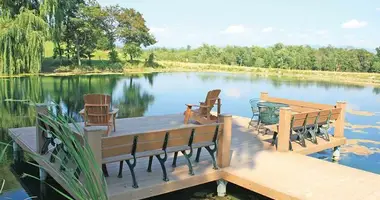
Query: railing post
<point x="94" y="136"/>
<point x="224" y="142"/>
<point x="40" y="109"/>
<point x="264" y="96"/>
<point x="339" y="123"/>
<point x="284" y="129"/>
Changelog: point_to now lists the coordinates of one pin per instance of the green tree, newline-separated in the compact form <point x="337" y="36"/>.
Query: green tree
<point x="132" y="50"/>
<point x="21" y="42"/>
<point x="132" y="28"/>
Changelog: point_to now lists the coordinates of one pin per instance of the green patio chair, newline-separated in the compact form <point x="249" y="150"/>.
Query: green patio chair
<point x="255" y="112"/>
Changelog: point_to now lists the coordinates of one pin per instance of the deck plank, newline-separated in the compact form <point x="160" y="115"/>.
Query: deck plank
<point x="255" y="165"/>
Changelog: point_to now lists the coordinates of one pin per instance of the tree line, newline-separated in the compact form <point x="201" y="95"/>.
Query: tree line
<point x="278" y="56"/>
<point x="76" y="27"/>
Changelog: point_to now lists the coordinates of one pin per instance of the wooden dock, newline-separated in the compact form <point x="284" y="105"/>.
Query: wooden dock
<point x="255" y="165"/>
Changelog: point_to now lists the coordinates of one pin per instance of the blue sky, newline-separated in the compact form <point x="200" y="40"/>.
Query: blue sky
<point x="177" y="23"/>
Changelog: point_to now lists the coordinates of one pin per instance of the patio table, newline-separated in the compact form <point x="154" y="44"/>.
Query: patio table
<point x="269" y="112"/>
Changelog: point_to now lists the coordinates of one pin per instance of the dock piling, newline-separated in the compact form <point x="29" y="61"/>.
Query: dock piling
<point x="224" y="142"/>
<point x="18" y="154"/>
<point x="339" y="124"/>
<point x="222" y="187"/>
<point x="40" y="109"/>
<point x="336" y="154"/>
<point x="43" y="174"/>
<point x="284" y="129"/>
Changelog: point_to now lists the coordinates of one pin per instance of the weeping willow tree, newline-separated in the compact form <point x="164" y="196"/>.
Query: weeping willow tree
<point x="21" y="43"/>
<point x="24" y="27"/>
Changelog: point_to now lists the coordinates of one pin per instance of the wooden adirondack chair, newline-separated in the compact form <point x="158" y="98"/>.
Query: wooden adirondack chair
<point x="97" y="111"/>
<point x="202" y="115"/>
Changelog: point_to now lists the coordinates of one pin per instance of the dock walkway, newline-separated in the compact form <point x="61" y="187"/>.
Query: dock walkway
<point x="255" y="165"/>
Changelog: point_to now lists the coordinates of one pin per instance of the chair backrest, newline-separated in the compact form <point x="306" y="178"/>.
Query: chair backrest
<point x="314" y="118"/>
<point x="97" y="99"/>
<point x="97" y="107"/>
<point x="97" y="114"/>
<point x="116" y="146"/>
<point x="207" y="133"/>
<point x="211" y="98"/>
<point x="159" y="140"/>
<point x="253" y="103"/>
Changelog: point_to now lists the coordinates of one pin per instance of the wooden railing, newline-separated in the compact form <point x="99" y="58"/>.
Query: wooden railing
<point x="306" y="107"/>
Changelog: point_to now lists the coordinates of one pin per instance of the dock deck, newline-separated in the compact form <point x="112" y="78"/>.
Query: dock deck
<point x="255" y="165"/>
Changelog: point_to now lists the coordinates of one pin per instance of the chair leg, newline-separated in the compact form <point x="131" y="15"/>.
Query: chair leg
<point x="250" y="122"/>
<point x="104" y="169"/>
<point x="189" y="164"/>
<point x="174" y="164"/>
<point x="301" y="138"/>
<point x="212" y="151"/>
<point x="198" y="154"/>
<point x="150" y="164"/>
<point x="114" y="124"/>
<point x="274" y="139"/>
<point x="120" y="175"/>
<point x="162" y="163"/>
<point x="313" y="135"/>
<point x="131" y="168"/>
<point x="325" y="134"/>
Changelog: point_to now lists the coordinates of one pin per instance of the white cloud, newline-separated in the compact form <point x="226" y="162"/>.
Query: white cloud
<point x="232" y="29"/>
<point x="378" y="9"/>
<point x="354" y="24"/>
<point x="282" y="30"/>
<point x="157" y="29"/>
<point x="321" y="32"/>
<point x="267" y="30"/>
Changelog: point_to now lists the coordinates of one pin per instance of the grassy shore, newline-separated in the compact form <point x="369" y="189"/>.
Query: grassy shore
<point x="103" y="67"/>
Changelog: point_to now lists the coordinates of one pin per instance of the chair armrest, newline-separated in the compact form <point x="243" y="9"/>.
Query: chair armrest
<point x="114" y="111"/>
<point x="191" y="105"/>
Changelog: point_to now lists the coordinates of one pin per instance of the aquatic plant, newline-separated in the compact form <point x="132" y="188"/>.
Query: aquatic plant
<point x="73" y="162"/>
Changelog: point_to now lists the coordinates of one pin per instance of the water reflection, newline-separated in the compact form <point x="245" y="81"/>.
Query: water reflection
<point x="166" y="93"/>
<point x="18" y="94"/>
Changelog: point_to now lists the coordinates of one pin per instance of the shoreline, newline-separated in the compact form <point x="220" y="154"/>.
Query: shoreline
<point x="353" y="78"/>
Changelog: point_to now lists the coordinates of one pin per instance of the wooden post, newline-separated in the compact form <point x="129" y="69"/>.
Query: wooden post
<point x="264" y="96"/>
<point x="339" y="123"/>
<point x="284" y="129"/>
<point x="224" y="142"/>
<point x="94" y="136"/>
<point x="40" y="109"/>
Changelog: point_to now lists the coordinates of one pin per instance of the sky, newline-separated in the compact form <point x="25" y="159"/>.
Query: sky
<point x="178" y="23"/>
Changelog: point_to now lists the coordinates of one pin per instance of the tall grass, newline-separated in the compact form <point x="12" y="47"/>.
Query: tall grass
<point x="75" y="165"/>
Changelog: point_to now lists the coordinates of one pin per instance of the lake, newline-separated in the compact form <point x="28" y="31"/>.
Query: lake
<point x="167" y="93"/>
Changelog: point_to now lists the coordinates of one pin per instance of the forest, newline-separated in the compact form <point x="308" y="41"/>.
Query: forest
<point x="278" y="56"/>
<point x="79" y="28"/>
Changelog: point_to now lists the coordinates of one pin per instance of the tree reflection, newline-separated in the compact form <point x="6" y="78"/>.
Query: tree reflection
<point x="134" y="102"/>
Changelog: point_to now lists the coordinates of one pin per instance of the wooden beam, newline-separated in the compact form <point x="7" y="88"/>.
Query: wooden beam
<point x="339" y="123"/>
<point x="303" y="104"/>
<point x="264" y="96"/>
<point x="224" y="142"/>
<point x="284" y="129"/>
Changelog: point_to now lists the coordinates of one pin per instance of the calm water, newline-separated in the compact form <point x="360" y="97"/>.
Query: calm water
<point x="167" y="93"/>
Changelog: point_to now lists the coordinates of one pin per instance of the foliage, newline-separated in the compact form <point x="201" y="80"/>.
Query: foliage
<point x="92" y="184"/>
<point x="132" y="50"/>
<point x="277" y="56"/>
<point x="21" y="43"/>
<point x="132" y="28"/>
